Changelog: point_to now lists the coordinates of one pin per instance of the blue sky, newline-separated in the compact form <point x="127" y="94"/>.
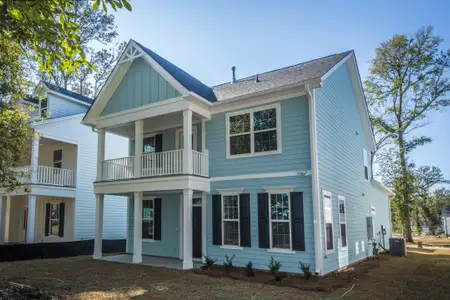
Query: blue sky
<point x="206" y="38"/>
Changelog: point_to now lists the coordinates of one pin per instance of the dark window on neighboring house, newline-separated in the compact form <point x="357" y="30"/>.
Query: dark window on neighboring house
<point x="57" y="159"/>
<point x="44" y="107"/>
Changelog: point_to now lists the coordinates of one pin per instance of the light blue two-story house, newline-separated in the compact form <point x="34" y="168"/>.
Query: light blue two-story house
<point x="272" y="165"/>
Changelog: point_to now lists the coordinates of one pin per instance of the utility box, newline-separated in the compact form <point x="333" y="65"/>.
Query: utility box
<point x="398" y="246"/>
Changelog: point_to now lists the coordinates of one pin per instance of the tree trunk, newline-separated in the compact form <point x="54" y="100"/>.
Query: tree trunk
<point x="405" y="188"/>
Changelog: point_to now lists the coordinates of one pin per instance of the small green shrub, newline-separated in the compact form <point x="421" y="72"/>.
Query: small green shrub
<point x="228" y="263"/>
<point x="249" y="269"/>
<point x="209" y="262"/>
<point x="274" y="267"/>
<point x="306" y="269"/>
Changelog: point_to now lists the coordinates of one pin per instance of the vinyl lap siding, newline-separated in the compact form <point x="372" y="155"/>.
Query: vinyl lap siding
<point x="340" y="143"/>
<point x="61" y="108"/>
<point x="85" y="203"/>
<point x="140" y="86"/>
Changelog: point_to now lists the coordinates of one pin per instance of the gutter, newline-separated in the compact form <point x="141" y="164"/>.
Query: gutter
<point x="318" y="249"/>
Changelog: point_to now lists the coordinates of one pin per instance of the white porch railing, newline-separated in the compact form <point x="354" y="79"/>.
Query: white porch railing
<point x="200" y="163"/>
<point x="118" y="168"/>
<point x="55" y="176"/>
<point x="162" y="163"/>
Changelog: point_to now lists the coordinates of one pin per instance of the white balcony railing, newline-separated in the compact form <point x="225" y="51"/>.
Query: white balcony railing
<point x="55" y="176"/>
<point x="118" y="168"/>
<point x="154" y="164"/>
<point x="201" y="163"/>
<point x="49" y="176"/>
<point x="162" y="163"/>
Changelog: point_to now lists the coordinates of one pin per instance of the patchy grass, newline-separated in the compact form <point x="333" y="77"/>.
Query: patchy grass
<point x="431" y="240"/>
<point x="424" y="274"/>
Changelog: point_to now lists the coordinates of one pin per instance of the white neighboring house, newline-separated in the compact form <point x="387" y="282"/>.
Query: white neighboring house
<point x="58" y="204"/>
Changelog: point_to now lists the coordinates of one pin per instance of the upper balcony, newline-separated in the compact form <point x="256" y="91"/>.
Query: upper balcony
<point x="49" y="176"/>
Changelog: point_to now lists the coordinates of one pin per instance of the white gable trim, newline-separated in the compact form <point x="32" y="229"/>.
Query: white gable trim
<point x="359" y="93"/>
<point x="131" y="52"/>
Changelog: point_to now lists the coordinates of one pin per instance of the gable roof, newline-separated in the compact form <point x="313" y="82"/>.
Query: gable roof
<point x="68" y="93"/>
<point x="191" y="83"/>
<point x="295" y="74"/>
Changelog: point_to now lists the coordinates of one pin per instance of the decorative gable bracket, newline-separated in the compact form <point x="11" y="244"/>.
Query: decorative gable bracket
<point x="131" y="53"/>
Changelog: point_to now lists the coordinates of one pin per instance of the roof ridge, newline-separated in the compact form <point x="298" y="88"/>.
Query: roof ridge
<point x="286" y="67"/>
<point x="61" y="90"/>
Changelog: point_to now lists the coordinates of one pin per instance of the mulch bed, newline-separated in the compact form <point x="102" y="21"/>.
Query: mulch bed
<point x="328" y="283"/>
<point x="17" y="291"/>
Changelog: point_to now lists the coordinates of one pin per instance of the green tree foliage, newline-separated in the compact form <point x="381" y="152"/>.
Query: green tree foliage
<point x="407" y="80"/>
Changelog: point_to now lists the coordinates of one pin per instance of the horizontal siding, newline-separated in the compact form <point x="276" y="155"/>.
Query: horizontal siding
<point x="295" y="154"/>
<point x="340" y="143"/>
<point x="86" y="161"/>
<point x="140" y="86"/>
<point x="59" y="107"/>
<point x="261" y="257"/>
<point x="169" y="245"/>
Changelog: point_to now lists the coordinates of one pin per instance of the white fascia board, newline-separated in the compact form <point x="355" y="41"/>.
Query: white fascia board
<point x="383" y="187"/>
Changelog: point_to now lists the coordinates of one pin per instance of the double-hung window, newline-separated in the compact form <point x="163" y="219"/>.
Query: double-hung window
<point x="54" y="217"/>
<point x="57" y="159"/>
<point x="366" y="158"/>
<point x="230" y="220"/>
<point x="148" y="226"/>
<point x="254" y="132"/>
<point x="280" y="221"/>
<point x="328" y="216"/>
<point x="343" y="221"/>
<point x="44" y="107"/>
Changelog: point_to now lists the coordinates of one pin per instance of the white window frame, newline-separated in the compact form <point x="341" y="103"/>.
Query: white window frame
<point x="152" y="199"/>
<point x="231" y="192"/>
<point x="342" y="199"/>
<point x="50" y="219"/>
<point x="58" y="161"/>
<point x="178" y="131"/>
<point x="252" y="153"/>
<point x="326" y="194"/>
<point x="366" y="162"/>
<point x="277" y="191"/>
<point x="40" y="107"/>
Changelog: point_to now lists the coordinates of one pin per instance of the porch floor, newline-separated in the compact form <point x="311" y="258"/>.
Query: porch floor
<point x="154" y="261"/>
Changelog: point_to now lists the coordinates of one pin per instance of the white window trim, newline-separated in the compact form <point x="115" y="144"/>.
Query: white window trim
<point x="342" y="198"/>
<point x="252" y="153"/>
<point x="324" y="194"/>
<point x="366" y="159"/>
<point x="274" y="191"/>
<point x="231" y="192"/>
<point x="152" y="199"/>
<point x="40" y="107"/>
<point x="50" y="235"/>
<point x="58" y="161"/>
<point x="194" y="142"/>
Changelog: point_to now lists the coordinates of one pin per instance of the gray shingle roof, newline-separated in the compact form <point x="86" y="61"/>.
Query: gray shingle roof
<point x="294" y="74"/>
<point x="69" y="93"/>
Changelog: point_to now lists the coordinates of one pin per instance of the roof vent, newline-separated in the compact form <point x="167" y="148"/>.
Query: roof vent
<point x="233" y="69"/>
<point x="257" y="78"/>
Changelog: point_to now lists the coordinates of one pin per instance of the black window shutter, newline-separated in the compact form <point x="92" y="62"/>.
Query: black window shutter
<point x="158" y="143"/>
<point x="47" y="219"/>
<point x="297" y="221"/>
<point x="263" y="220"/>
<point x="244" y="216"/>
<point x="217" y="219"/>
<point x="157" y="220"/>
<point x="62" y="209"/>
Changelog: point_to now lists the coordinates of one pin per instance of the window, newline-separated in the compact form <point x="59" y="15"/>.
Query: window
<point x="328" y="216"/>
<point x="254" y="132"/>
<point x="366" y="156"/>
<point x="57" y="159"/>
<point x="343" y="221"/>
<point x="54" y="219"/>
<point x="149" y="144"/>
<point x="148" y="225"/>
<point x="230" y="220"/>
<point x="280" y="219"/>
<point x="44" y="107"/>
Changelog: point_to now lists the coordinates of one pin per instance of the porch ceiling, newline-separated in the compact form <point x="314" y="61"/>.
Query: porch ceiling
<point x="154" y="124"/>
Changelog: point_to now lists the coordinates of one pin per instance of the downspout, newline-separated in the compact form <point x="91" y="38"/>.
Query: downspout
<point x="310" y="93"/>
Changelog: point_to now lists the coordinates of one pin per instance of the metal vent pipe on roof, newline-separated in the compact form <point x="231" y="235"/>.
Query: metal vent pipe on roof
<point x="233" y="69"/>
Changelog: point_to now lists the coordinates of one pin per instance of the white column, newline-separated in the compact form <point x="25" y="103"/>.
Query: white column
<point x="187" y="229"/>
<point x="98" y="226"/>
<point x="34" y="159"/>
<point x="204" y="136"/>
<point x="137" y="239"/>
<point x="204" y="220"/>
<point x="31" y="218"/>
<point x="100" y="152"/>
<point x="3" y="202"/>
<point x="187" y="136"/>
<point x="138" y="146"/>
